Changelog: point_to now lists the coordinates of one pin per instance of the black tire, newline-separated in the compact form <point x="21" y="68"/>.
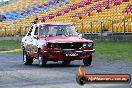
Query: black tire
<point x="87" y="61"/>
<point x="42" y="61"/>
<point x="66" y="62"/>
<point x="26" y="59"/>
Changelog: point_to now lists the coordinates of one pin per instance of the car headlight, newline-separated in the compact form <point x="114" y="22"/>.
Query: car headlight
<point x="87" y="44"/>
<point x="90" y="44"/>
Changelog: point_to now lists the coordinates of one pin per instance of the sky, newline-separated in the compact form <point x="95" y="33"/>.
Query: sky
<point x="4" y="0"/>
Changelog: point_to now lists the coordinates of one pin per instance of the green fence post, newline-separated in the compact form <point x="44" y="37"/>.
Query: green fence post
<point x="5" y="32"/>
<point x="91" y="28"/>
<point x="82" y="28"/>
<point x="124" y="28"/>
<point x="101" y="29"/>
<point x="112" y="29"/>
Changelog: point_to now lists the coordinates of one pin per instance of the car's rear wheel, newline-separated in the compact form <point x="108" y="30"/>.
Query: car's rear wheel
<point x="26" y="59"/>
<point x="42" y="61"/>
<point x="87" y="61"/>
<point x="66" y="62"/>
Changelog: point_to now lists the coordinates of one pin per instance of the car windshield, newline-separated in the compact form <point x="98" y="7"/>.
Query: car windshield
<point x="58" y="30"/>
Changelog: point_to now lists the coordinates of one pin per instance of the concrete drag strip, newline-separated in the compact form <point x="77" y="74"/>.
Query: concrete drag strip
<point x="13" y="74"/>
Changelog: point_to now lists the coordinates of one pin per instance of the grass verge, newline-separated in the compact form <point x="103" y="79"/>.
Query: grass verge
<point x="15" y="44"/>
<point x="10" y="47"/>
<point x="113" y="50"/>
<point x="105" y="50"/>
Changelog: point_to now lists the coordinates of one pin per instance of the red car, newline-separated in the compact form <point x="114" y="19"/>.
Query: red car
<point x="56" y="42"/>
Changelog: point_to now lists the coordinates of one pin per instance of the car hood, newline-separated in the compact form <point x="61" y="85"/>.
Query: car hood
<point x="66" y="39"/>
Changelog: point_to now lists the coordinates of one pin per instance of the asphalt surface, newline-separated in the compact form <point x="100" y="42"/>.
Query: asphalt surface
<point x="13" y="74"/>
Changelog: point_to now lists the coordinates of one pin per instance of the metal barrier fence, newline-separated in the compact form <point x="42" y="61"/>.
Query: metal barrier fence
<point x="97" y="26"/>
<point x="109" y="29"/>
<point x="87" y="27"/>
<point x="13" y="30"/>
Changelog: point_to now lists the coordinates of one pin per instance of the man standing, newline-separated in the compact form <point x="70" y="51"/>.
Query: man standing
<point x="36" y="20"/>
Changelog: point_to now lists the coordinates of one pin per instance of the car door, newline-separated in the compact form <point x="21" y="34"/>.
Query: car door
<point x="33" y="42"/>
<point x="26" y="40"/>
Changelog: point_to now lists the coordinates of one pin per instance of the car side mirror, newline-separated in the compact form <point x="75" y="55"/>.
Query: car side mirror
<point x="80" y="35"/>
<point x="35" y="36"/>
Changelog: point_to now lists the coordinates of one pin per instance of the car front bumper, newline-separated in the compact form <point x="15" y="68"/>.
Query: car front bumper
<point x="68" y="55"/>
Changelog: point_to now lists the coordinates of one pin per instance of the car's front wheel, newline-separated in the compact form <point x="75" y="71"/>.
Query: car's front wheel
<point x="42" y="61"/>
<point x="87" y="61"/>
<point x="26" y="59"/>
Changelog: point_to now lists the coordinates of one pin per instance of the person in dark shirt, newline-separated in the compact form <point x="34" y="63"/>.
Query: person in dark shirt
<point x="36" y="20"/>
<point x="104" y="29"/>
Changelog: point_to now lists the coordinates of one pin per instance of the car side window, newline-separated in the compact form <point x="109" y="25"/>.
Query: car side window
<point x="29" y="33"/>
<point x="43" y="30"/>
